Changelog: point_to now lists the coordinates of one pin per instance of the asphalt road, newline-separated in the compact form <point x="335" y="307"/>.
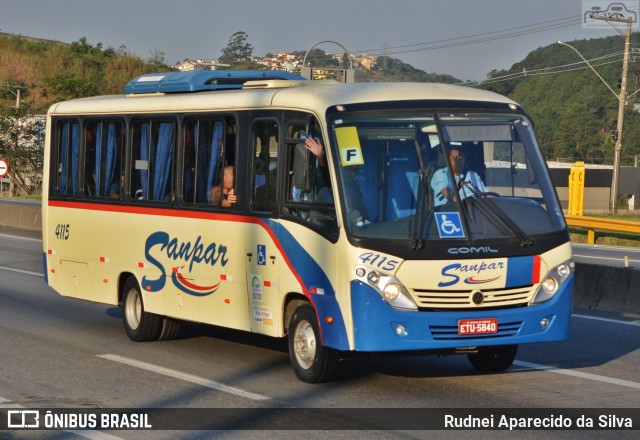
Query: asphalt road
<point x="57" y="352"/>
<point x="607" y="255"/>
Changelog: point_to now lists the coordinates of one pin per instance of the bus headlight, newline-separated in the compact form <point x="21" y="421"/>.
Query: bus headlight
<point x="391" y="292"/>
<point x="550" y="285"/>
<point x="553" y="282"/>
<point x="387" y="286"/>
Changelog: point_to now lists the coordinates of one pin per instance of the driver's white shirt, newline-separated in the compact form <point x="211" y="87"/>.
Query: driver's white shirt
<point x="441" y="181"/>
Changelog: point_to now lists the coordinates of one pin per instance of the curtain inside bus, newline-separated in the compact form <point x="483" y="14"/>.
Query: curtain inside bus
<point x="162" y="166"/>
<point x="216" y="143"/>
<point x="70" y="148"/>
<point x="96" y="171"/>
<point x="144" y="157"/>
<point x="110" y="160"/>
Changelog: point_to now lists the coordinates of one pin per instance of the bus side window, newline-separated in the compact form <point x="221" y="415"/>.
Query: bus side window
<point x="308" y="187"/>
<point x="68" y="157"/>
<point x="152" y="160"/>
<point x="204" y="149"/>
<point x="103" y="173"/>
<point x="265" y="166"/>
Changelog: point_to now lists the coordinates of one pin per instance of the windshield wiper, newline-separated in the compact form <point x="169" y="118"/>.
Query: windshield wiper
<point x="422" y="203"/>
<point x="488" y="206"/>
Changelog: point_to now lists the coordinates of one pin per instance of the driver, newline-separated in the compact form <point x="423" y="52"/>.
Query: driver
<point x="441" y="183"/>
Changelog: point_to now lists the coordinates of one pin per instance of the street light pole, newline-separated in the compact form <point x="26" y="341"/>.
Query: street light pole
<point x="622" y="101"/>
<point x="563" y="44"/>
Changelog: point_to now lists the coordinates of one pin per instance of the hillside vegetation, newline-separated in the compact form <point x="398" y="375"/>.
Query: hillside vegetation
<point x="574" y="111"/>
<point x="51" y="71"/>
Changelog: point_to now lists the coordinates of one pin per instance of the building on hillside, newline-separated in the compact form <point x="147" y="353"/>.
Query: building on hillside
<point x="191" y="65"/>
<point x="365" y="61"/>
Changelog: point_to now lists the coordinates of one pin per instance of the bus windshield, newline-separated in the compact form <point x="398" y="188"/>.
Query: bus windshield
<point x="443" y="176"/>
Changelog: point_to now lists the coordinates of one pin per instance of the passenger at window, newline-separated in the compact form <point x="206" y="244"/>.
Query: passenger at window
<point x="317" y="149"/>
<point x="224" y="195"/>
<point x="321" y="182"/>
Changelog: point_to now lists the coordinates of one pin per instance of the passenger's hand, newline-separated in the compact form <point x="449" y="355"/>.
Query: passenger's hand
<point x="231" y="197"/>
<point x="314" y="146"/>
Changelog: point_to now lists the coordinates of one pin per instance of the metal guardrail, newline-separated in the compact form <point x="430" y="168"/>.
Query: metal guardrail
<point x="593" y="224"/>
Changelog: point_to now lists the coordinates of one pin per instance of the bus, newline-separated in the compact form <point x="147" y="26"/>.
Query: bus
<point x="375" y="218"/>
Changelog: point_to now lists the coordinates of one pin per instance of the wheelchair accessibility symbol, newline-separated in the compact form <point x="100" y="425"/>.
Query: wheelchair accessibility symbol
<point x="449" y="225"/>
<point x="262" y="255"/>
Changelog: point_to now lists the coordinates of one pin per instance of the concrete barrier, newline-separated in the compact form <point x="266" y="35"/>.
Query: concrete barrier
<point x="607" y="288"/>
<point x="596" y="287"/>
<point x="21" y="214"/>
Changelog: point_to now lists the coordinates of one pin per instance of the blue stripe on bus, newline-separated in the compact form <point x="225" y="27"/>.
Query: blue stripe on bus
<point x="311" y="274"/>
<point x="519" y="271"/>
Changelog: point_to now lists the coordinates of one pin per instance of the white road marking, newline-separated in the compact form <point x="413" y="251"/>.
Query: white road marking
<point x="184" y="376"/>
<point x="615" y="321"/>
<point x="621" y="259"/>
<point x="17" y="237"/>
<point x="25" y="272"/>
<point x="579" y="374"/>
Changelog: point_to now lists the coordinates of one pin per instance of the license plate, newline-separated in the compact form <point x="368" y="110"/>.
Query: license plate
<point x="477" y="326"/>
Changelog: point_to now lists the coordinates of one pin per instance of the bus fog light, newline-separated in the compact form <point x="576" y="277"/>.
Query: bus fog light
<point x="550" y="285"/>
<point x="391" y="292"/>
<point x="400" y="330"/>
<point x="544" y="323"/>
<point x="564" y="270"/>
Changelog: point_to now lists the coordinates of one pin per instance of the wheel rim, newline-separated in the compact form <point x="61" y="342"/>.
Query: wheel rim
<point x="304" y="344"/>
<point x="133" y="309"/>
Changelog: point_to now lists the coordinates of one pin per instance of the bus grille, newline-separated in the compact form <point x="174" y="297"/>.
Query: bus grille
<point x="464" y="299"/>
<point x="446" y="332"/>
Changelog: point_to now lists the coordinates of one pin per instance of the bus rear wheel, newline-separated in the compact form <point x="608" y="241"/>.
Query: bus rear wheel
<point x="493" y="359"/>
<point x="140" y="325"/>
<point x="311" y="362"/>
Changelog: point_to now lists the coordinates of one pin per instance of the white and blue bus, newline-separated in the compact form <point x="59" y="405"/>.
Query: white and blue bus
<point x="368" y="217"/>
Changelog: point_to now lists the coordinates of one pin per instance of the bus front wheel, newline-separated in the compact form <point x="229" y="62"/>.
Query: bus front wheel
<point x="493" y="359"/>
<point x="312" y="363"/>
<point x="139" y="325"/>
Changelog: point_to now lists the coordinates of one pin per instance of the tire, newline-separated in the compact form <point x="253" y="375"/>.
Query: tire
<point x="140" y="325"/>
<point x="170" y="329"/>
<point x="493" y="359"/>
<point x="311" y="362"/>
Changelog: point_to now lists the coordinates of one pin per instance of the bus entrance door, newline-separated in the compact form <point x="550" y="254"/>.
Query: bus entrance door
<point x="262" y="280"/>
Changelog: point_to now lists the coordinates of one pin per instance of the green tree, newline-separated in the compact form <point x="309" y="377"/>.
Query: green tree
<point x="237" y="51"/>
<point x="22" y="145"/>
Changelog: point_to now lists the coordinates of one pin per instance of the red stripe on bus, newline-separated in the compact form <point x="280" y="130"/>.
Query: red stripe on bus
<point x="535" y="273"/>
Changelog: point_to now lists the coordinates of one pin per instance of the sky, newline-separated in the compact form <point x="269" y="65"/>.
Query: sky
<point x="463" y="38"/>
